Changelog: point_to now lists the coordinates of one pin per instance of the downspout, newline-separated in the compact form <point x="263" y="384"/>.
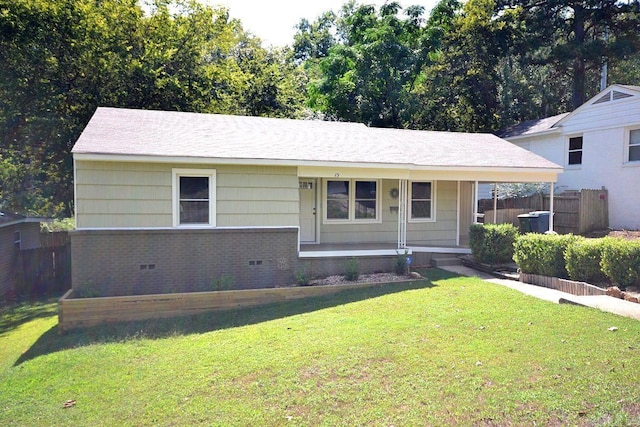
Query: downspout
<point x="551" y="212"/>
<point x="75" y="192"/>
<point x="402" y="213"/>
<point x="495" y="203"/>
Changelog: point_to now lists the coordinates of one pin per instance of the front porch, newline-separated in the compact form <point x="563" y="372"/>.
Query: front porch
<point x="331" y="250"/>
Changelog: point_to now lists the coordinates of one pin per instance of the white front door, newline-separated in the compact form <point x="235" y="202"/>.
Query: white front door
<point x="308" y="210"/>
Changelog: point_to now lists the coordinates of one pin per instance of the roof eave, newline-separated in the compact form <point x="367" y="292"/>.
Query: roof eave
<point x="536" y="134"/>
<point x="25" y="220"/>
<point x="297" y="163"/>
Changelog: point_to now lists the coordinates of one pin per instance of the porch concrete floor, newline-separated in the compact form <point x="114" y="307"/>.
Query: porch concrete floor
<point x="369" y="248"/>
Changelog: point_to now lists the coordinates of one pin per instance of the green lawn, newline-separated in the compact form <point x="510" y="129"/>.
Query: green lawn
<point x="450" y="351"/>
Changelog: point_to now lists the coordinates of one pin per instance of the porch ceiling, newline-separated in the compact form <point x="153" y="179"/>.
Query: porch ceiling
<point x="446" y="174"/>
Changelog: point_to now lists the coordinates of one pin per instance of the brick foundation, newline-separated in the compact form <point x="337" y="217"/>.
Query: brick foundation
<point x="136" y="262"/>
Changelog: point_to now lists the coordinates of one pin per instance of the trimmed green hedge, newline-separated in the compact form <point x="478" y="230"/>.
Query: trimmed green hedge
<point x="578" y="258"/>
<point x="492" y="243"/>
<point x="621" y="261"/>
<point x="583" y="260"/>
<point x="543" y="254"/>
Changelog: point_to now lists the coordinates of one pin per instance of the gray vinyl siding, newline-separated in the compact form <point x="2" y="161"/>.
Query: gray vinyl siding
<point x="139" y="195"/>
<point x="439" y="232"/>
<point x="257" y="196"/>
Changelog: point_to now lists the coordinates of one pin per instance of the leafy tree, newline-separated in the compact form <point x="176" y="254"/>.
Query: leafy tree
<point x="368" y="74"/>
<point x="56" y="58"/>
<point x="576" y="36"/>
<point x="313" y="40"/>
<point x="60" y="60"/>
<point x="463" y="84"/>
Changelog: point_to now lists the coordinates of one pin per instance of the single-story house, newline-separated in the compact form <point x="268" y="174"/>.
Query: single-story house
<point x="17" y="233"/>
<point x="176" y="201"/>
<point x="599" y="146"/>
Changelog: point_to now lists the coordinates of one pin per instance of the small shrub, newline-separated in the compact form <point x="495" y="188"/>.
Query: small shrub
<point x="65" y="224"/>
<point x="87" y="291"/>
<point x="302" y="277"/>
<point x="492" y="243"/>
<point x="542" y="253"/>
<point x="583" y="258"/>
<point x="401" y="264"/>
<point x="621" y="261"/>
<point x="352" y="270"/>
<point x="223" y="283"/>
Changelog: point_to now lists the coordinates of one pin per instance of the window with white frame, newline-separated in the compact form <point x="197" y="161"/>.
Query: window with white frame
<point x="634" y="145"/>
<point x="194" y="200"/>
<point x="351" y="200"/>
<point x="421" y="197"/>
<point x="575" y="151"/>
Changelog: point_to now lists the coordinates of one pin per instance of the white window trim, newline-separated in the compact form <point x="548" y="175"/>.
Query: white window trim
<point x="352" y="205"/>
<point x="433" y="203"/>
<point x="627" y="142"/>
<point x="175" y="202"/>
<point x="566" y="152"/>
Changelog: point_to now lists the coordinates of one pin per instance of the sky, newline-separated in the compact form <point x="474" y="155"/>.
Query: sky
<point x="273" y="21"/>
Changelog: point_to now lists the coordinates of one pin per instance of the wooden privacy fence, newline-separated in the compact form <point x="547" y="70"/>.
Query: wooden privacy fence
<point x="46" y="269"/>
<point x="576" y="212"/>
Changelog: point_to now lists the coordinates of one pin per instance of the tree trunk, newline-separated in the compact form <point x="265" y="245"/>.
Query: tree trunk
<point x="577" y="98"/>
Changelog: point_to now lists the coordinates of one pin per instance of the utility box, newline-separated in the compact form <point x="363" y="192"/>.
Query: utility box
<point x="534" y="222"/>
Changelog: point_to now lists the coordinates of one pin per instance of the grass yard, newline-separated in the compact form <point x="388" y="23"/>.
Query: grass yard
<point x="449" y="351"/>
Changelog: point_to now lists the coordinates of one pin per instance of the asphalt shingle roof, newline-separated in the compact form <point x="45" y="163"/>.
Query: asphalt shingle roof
<point x="128" y="132"/>
<point x="530" y="126"/>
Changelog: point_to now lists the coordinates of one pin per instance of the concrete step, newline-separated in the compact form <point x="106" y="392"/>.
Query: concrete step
<point x="445" y="261"/>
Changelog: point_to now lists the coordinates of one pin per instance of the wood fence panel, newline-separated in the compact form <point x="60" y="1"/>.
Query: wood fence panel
<point x="566" y="210"/>
<point x="43" y="270"/>
<point x="505" y="216"/>
<point x="576" y="212"/>
<point x="594" y="210"/>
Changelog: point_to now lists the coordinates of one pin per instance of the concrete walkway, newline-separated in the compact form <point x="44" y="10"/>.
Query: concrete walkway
<point x="601" y="302"/>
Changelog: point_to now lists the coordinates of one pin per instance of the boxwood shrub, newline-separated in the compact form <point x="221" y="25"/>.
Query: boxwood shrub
<point x="583" y="258"/>
<point x="542" y="253"/>
<point x="621" y="261"/>
<point x="492" y="243"/>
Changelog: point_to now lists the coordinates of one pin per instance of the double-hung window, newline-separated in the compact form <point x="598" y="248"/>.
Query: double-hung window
<point x="194" y="197"/>
<point x="575" y="151"/>
<point x="634" y="145"/>
<point x="421" y="197"/>
<point x="352" y="200"/>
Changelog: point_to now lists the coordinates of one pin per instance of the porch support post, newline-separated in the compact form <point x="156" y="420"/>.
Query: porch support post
<point x="495" y="202"/>
<point x="474" y="220"/>
<point x="551" y="206"/>
<point x="458" y="215"/>
<point x="402" y="213"/>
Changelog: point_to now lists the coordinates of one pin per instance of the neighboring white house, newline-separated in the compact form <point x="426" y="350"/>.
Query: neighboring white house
<point x="599" y="146"/>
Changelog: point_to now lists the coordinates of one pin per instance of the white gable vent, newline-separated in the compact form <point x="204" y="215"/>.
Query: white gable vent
<point x="620" y="95"/>
<point x="604" y="98"/>
<point x="612" y="95"/>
